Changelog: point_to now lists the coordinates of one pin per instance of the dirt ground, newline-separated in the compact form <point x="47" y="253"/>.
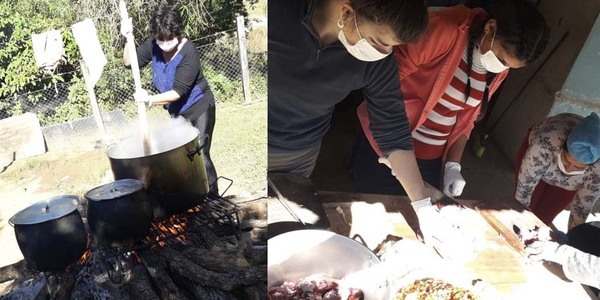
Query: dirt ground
<point x="76" y="170"/>
<point x="30" y="180"/>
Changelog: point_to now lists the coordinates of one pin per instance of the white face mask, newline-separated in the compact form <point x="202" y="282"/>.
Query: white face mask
<point x="167" y="46"/>
<point x="361" y="50"/>
<point x="562" y="168"/>
<point x="489" y="60"/>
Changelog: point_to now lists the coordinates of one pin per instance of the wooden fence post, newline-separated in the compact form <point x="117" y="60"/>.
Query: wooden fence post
<point x="241" y="33"/>
<point x="93" y="102"/>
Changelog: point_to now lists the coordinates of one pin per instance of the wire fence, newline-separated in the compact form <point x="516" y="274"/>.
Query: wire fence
<point x="65" y="113"/>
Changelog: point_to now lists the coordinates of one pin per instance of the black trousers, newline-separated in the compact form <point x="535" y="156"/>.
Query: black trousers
<point x="369" y="176"/>
<point x="206" y="124"/>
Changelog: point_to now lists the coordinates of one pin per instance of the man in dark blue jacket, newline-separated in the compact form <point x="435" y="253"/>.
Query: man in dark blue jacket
<point x="321" y="50"/>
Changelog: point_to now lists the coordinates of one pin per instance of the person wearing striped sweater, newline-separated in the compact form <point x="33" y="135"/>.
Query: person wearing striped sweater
<point x="447" y="78"/>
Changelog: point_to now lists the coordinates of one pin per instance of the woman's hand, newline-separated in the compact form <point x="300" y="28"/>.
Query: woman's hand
<point x="141" y="96"/>
<point x="454" y="183"/>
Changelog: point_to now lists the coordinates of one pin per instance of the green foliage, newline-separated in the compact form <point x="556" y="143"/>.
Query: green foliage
<point x="224" y="89"/>
<point x="18" y="71"/>
<point x="76" y="106"/>
<point x="17" y="66"/>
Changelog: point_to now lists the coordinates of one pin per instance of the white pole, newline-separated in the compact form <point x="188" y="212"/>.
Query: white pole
<point x="93" y="102"/>
<point x="241" y="33"/>
<point x="135" y="69"/>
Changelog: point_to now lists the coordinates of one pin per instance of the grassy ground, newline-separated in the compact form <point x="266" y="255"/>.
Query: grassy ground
<point x="240" y="147"/>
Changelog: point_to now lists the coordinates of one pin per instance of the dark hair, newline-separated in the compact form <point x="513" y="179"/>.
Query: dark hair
<point x="521" y="28"/>
<point x="166" y="22"/>
<point x="407" y="18"/>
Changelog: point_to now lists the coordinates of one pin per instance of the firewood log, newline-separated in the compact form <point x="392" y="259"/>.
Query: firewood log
<point x="185" y="268"/>
<point x="140" y="287"/>
<point x="218" y="261"/>
<point x="14" y="271"/>
<point x="204" y="235"/>
<point x="208" y="293"/>
<point x="255" y="292"/>
<point x="158" y="272"/>
<point x="256" y="255"/>
<point x="66" y="283"/>
<point x="34" y="288"/>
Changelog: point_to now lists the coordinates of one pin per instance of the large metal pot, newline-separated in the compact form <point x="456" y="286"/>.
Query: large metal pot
<point x="119" y="212"/>
<point x="174" y="173"/>
<point x="50" y="233"/>
<point x="298" y="254"/>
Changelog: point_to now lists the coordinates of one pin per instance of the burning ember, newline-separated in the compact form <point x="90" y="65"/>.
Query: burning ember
<point x="173" y="228"/>
<point x="84" y="258"/>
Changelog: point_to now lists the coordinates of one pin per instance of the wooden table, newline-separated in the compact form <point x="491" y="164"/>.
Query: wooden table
<point x="373" y="217"/>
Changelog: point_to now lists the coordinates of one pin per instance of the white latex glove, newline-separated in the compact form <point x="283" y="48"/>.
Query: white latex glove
<point x="417" y="205"/>
<point x="448" y="239"/>
<point x="544" y="250"/>
<point x="126" y="27"/>
<point x="141" y="96"/>
<point x="454" y="183"/>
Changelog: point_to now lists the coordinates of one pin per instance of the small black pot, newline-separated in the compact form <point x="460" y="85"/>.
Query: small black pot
<point x="50" y="233"/>
<point x="119" y="213"/>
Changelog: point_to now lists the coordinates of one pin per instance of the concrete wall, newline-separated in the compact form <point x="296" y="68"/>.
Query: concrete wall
<point x="533" y="99"/>
<point x="581" y="92"/>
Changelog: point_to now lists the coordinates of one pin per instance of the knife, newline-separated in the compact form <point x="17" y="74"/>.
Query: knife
<point x="438" y="196"/>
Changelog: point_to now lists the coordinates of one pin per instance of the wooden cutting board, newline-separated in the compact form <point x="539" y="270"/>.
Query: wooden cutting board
<point x="501" y="216"/>
<point x="497" y="263"/>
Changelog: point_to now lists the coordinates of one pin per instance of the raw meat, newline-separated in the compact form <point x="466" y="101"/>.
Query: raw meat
<point x="314" y="287"/>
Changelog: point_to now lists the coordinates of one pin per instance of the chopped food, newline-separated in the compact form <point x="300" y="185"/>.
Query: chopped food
<point x="314" y="287"/>
<point x="433" y="289"/>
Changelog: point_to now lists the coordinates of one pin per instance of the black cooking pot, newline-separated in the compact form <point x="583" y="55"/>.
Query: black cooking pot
<point x="50" y="233"/>
<point x="119" y="212"/>
<point x="174" y="173"/>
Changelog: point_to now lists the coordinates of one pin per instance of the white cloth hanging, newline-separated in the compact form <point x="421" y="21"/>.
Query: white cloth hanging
<point x="48" y="49"/>
<point x="86" y="38"/>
